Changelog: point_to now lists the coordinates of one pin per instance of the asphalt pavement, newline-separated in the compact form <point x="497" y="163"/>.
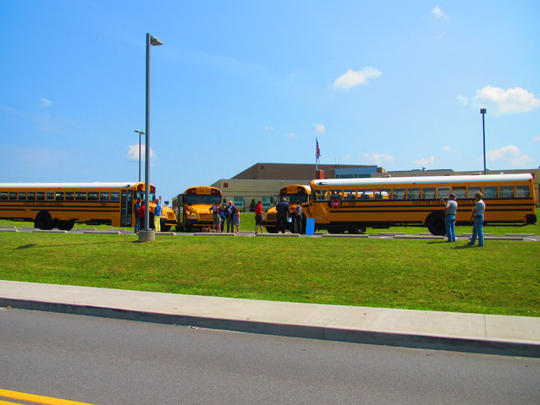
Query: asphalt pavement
<point x="462" y="332"/>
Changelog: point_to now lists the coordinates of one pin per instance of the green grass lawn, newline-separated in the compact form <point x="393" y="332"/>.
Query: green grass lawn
<point x="502" y="278"/>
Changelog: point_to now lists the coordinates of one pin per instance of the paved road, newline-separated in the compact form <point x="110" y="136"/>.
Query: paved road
<point x="105" y="361"/>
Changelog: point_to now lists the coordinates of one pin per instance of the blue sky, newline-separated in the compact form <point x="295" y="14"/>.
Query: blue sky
<point x="393" y="83"/>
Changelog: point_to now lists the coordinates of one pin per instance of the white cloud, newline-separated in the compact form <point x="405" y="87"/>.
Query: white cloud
<point x="352" y="78"/>
<point x="448" y="149"/>
<point x="508" y="101"/>
<point x="347" y="157"/>
<point x="536" y="138"/>
<point x="378" y="158"/>
<point x="462" y="99"/>
<point x="45" y="103"/>
<point x="268" y="128"/>
<point x="133" y="152"/>
<point x="510" y="154"/>
<point x="438" y="13"/>
<point x="291" y="136"/>
<point x="320" y="129"/>
<point x="425" y="162"/>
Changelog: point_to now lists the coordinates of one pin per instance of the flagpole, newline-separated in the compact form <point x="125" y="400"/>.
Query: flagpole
<point x="316" y="156"/>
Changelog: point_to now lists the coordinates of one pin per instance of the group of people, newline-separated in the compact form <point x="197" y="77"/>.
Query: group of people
<point x="284" y="212"/>
<point x="229" y="214"/>
<point x="140" y="215"/>
<point x="477" y="219"/>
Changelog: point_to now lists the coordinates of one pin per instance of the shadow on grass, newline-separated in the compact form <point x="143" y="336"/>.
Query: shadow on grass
<point x="35" y="245"/>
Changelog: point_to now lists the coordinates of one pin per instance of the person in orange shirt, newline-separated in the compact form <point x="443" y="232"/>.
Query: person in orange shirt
<point x="258" y="217"/>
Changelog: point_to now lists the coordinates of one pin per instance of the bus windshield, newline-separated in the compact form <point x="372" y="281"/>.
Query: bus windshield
<point x="292" y="198"/>
<point x="142" y="195"/>
<point x="202" y="199"/>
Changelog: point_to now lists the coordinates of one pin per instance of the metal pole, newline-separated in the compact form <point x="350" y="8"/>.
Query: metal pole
<point x="147" y="144"/>
<point x="483" y="112"/>
<point x="140" y="156"/>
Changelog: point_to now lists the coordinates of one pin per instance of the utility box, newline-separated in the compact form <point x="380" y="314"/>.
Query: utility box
<point x="310" y="226"/>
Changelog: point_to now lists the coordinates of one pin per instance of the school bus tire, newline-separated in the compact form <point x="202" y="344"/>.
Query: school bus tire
<point x="43" y="221"/>
<point x="165" y="228"/>
<point x="66" y="225"/>
<point x="355" y="230"/>
<point x="436" y="224"/>
<point x="272" y="229"/>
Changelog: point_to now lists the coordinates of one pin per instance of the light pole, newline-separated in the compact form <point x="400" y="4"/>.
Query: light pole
<point x="483" y="112"/>
<point x="150" y="40"/>
<point x="140" y="133"/>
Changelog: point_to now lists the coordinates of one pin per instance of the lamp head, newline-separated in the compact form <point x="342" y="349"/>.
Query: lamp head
<point x="155" y="41"/>
<point x="483" y="111"/>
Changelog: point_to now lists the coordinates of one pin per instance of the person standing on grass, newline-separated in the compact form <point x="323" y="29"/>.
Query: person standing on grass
<point x="222" y="215"/>
<point x="236" y="219"/>
<point x="230" y="217"/>
<point x="141" y="214"/>
<point x="298" y="217"/>
<point x="283" y="211"/>
<point x="258" y="217"/>
<point x="157" y="216"/>
<point x="477" y="218"/>
<point x="450" y="209"/>
<point x="136" y="212"/>
<point x="217" y="218"/>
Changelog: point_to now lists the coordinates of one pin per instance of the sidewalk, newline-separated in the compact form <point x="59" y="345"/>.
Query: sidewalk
<point x="476" y="333"/>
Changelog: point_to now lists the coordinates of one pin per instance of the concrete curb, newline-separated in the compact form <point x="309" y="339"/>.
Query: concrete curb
<point x="419" y="237"/>
<point x="416" y="341"/>
<point x="104" y="232"/>
<point x="48" y="231"/>
<point x="345" y="236"/>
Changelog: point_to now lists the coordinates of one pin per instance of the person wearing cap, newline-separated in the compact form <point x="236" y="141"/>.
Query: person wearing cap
<point x="477" y="218"/>
<point x="450" y="209"/>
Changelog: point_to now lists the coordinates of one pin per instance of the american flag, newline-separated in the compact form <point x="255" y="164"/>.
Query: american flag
<point x="317" y="151"/>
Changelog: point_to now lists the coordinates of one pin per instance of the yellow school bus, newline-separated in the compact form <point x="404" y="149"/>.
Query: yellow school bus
<point x="292" y="193"/>
<point x="340" y="205"/>
<point x="196" y="203"/>
<point x="62" y="205"/>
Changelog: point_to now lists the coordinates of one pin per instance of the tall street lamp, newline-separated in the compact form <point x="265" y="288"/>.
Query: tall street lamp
<point x="150" y="40"/>
<point x="483" y="112"/>
<point x="140" y="133"/>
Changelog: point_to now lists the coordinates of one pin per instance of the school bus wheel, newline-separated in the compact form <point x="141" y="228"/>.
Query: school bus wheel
<point x="436" y="224"/>
<point x="66" y="225"/>
<point x="43" y="221"/>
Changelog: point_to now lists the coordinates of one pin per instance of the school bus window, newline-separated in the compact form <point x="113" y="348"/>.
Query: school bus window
<point x="460" y="192"/>
<point x="319" y="195"/>
<point x="443" y="192"/>
<point x="31" y="196"/>
<point x="70" y="195"/>
<point x="59" y="196"/>
<point x="382" y="194"/>
<point x="473" y="190"/>
<point x="521" y="192"/>
<point x="349" y="194"/>
<point x="104" y="196"/>
<point x="365" y="194"/>
<point x="22" y="196"/>
<point x="491" y="192"/>
<point x="115" y="196"/>
<point x="40" y="196"/>
<point x="3" y="196"/>
<point x="428" y="193"/>
<point x="93" y="196"/>
<point x="80" y="196"/>
<point x="335" y="194"/>
<point x="507" y="191"/>
<point x="12" y="196"/>
<point x="414" y="193"/>
<point x="399" y="194"/>
<point x="50" y="195"/>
